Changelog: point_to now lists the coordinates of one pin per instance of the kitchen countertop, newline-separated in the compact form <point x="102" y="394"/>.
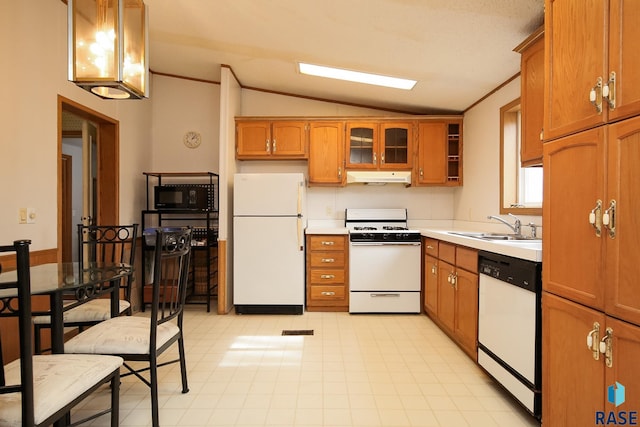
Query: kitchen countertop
<point x="523" y="249"/>
<point x="326" y="230"/>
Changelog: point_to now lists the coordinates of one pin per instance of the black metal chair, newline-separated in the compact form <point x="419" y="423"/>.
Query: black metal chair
<point x="98" y="243"/>
<point x="40" y="390"/>
<point x="145" y="337"/>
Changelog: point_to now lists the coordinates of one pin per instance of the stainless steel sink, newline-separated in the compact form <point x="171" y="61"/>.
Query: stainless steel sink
<point x="494" y="236"/>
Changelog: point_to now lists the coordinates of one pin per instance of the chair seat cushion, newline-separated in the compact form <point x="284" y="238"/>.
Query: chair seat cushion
<point x="58" y="380"/>
<point x="121" y="335"/>
<point x="95" y="310"/>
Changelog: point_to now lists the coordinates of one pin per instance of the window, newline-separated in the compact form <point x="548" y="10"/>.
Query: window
<point x="520" y="188"/>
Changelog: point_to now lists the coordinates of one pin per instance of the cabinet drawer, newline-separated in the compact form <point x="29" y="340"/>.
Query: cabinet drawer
<point x="467" y="259"/>
<point x="327" y="259"/>
<point x="447" y="252"/>
<point x="331" y="276"/>
<point x="328" y="293"/>
<point x="431" y="247"/>
<point x="328" y="243"/>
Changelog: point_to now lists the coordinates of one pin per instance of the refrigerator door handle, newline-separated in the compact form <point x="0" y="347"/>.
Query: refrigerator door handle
<point x="300" y="244"/>
<point x="300" y="198"/>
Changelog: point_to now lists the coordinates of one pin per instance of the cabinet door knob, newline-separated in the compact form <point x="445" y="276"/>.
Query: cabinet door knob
<point x="327" y="243"/>
<point x="595" y="95"/>
<point x="609" y="218"/>
<point x="609" y="91"/>
<point x="595" y="217"/>
<point x="593" y="338"/>
<point x="328" y="260"/>
<point x="327" y="276"/>
<point x="328" y="294"/>
<point x="606" y="347"/>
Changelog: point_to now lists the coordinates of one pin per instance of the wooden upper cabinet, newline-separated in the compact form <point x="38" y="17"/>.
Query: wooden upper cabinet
<point x="362" y="145"/>
<point x="379" y="145"/>
<point x="594" y="174"/>
<point x="592" y="74"/>
<point x="531" y="97"/>
<point x="432" y="153"/>
<point x="396" y="145"/>
<point x="326" y="153"/>
<point x="575" y="51"/>
<point x="572" y="252"/>
<point x="271" y="139"/>
<point x="624" y="61"/>
<point x="253" y="139"/>
<point x="439" y="153"/>
<point x="289" y="139"/>
<point x="429" y="147"/>
<point x="620" y="238"/>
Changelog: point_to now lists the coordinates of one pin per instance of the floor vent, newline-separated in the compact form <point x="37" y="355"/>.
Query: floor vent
<point x="298" y="332"/>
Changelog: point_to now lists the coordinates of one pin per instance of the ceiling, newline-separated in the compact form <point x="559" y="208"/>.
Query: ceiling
<point x="458" y="50"/>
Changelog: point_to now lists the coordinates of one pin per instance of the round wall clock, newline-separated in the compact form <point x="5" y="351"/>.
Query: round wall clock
<point x="192" y="139"/>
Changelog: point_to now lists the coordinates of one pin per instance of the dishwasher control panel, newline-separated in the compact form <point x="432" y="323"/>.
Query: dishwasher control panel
<point x="519" y="272"/>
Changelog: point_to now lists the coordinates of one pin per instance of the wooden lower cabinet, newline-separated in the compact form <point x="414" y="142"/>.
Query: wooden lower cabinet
<point x="575" y="377"/>
<point x="451" y="292"/>
<point x="446" y="297"/>
<point x="327" y="273"/>
<point x="431" y="285"/>
<point x="466" y="324"/>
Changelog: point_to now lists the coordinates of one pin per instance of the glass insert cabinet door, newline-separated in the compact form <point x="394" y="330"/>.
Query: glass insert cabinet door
<point x="362" y="148"/>
<point x="379" y="145"/>
<point x="395" y="145"/>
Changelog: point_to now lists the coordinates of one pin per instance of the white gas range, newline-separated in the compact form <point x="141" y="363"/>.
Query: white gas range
<point x="384" y="262"/>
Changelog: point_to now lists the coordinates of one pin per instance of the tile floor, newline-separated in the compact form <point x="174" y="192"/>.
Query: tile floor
<point x="356" y="370"/>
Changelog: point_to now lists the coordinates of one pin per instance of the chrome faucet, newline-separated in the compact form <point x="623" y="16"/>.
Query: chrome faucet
<point x="516" y="227"/>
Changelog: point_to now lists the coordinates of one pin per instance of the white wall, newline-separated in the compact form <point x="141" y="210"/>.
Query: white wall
<point x="230" y="106"/>
<point x="179" y="106"/>
<point x="33" y="42"/>
<point x="256" y="103"/>
<point x="480" y="195"/>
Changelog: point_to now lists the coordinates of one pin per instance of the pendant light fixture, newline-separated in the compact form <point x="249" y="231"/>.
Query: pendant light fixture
<point x="108" y="47"/>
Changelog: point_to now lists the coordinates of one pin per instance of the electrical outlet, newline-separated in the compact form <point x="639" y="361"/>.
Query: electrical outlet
<point x="31" y="215"/>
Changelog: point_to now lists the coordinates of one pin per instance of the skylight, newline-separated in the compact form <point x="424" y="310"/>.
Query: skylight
<point x="356" y="76"/>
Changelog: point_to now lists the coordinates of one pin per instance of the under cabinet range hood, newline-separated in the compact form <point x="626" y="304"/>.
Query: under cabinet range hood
<point x="379" y="177"/>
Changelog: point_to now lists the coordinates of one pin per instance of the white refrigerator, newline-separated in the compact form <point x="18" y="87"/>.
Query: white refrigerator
<point x="268" y="243"/>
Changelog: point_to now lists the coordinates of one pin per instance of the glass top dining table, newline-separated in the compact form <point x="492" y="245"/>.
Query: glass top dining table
<point x="69" y="285"/>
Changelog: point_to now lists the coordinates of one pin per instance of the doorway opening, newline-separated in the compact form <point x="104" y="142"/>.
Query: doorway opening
<point x="101" y="183"/>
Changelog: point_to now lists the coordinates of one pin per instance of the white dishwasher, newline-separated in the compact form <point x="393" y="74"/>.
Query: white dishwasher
<point x="509" y="325"/>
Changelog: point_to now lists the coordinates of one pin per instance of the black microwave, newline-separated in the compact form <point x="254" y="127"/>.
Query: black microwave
<point x="182" y="197"/>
